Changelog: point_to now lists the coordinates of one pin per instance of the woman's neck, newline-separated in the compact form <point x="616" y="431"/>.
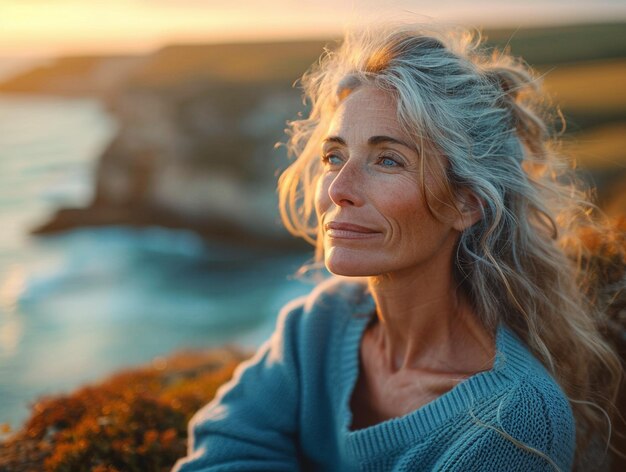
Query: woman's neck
<point x="425" y="324"/>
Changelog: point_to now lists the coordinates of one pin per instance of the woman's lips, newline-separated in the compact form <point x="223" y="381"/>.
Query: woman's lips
<point x="337" y="230"/>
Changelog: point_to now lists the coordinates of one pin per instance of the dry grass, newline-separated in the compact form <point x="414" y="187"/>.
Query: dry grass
<point x="135" y="421"/>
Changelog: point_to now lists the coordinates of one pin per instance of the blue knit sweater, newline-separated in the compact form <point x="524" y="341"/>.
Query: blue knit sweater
<point x="287" y="408"/>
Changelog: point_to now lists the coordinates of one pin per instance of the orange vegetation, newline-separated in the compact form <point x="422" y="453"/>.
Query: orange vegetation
<point x="135" y="421"/>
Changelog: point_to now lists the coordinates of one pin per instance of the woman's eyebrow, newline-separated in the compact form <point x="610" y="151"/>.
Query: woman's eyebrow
<point x="375" y="140"/>
<point x="334" y="139"/>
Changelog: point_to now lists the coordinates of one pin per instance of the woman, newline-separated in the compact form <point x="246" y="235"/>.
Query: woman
<point x="457" y="337"/>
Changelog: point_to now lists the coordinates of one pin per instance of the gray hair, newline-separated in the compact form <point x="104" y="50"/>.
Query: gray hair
<point x="479" y="119"/>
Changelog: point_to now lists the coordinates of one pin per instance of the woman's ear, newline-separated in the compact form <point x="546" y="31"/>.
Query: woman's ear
<point x="470" y="210"/>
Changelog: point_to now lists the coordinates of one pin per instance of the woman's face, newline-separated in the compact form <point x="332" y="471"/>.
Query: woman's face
<point x="369" y="202"/>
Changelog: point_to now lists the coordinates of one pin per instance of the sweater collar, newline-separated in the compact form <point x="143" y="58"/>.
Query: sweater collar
<point x="512" y="361"/>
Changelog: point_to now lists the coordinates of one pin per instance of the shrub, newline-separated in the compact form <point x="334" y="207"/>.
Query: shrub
<point x="135" y="421"/>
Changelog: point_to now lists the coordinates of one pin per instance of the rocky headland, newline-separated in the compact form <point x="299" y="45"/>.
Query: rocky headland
<point x="197" y="126"/>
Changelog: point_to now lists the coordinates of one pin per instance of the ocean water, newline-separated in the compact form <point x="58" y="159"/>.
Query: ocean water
<point x="79" y="305"/>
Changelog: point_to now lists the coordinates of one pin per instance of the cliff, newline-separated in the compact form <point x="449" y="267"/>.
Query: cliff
<point x="195" y="147"/>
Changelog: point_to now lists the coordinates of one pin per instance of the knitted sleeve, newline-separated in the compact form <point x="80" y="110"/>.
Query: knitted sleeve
<point x="252" y="422"/>
<point x="532" y="429"/>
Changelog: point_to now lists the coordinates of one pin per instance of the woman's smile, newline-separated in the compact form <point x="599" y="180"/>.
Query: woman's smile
<point x="339" y="230"/>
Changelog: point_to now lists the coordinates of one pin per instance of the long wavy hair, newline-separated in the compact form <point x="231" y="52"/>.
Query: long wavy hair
<point x="484" y="112"/>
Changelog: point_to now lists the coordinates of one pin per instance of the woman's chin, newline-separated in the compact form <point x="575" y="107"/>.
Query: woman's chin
<point x="349" y="263"/>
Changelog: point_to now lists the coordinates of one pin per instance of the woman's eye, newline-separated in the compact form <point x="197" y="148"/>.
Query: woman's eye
<point x="331" y="159"/>
<point x="387" y="161"/>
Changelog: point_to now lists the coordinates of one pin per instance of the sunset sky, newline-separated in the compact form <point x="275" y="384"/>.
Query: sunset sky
<point x="40" y="28"/>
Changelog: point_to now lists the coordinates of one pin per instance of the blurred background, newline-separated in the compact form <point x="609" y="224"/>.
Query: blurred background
<point x="138" y="169"/>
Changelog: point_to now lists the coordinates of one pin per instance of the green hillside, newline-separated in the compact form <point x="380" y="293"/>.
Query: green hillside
<point x="566" y="43"/>
<point x="250" y="63"/>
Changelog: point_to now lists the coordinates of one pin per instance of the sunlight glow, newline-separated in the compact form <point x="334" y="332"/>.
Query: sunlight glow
<point x="44" y="28"/>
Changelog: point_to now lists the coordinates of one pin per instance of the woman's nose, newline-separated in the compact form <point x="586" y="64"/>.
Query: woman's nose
<point x="346" y="188"/>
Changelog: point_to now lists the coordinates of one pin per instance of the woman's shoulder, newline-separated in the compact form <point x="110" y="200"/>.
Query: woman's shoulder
<point x="532" y="420"/>
<point x="533" y="407"/>
<point x="525" y="425"/>
<point x="516" y="416"/>
<point x="529" y="378"/>
<point x="335" y="298"/>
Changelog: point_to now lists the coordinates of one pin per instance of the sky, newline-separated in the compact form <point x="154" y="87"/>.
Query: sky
<point x="47" y="28"/>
